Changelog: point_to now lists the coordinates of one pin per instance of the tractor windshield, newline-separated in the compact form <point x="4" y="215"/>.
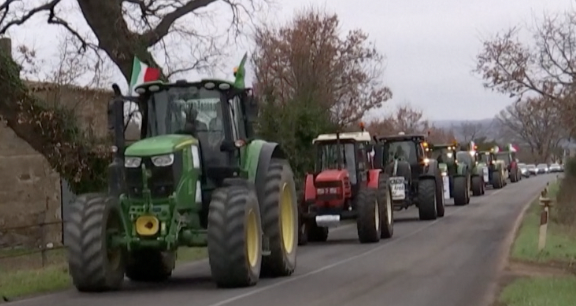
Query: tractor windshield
<point x="401" y="150"/>
<point x="484" y="157"/>
<point x="328" y="157"/>
<point x="442" y="155"/>
<point x="505" y="156"/>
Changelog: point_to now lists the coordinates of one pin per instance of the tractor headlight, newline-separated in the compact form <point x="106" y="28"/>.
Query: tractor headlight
<point x="163" y="160"/>
<point x="132" y="162"/>
<point x="426" y="161"/>
<point x="449" y="154"/>
<point x="444" y="173"/>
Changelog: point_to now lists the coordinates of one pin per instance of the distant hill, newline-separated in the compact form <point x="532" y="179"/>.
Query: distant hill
<point x="489" y="127"/>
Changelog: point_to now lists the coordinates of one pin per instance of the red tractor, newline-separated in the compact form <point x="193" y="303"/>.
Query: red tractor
<point x="345" y="186"/>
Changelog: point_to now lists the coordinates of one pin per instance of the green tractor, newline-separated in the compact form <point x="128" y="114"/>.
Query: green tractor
<point x="479" y="172"/>
<point x="195" y="178"/>
<point x="497" y="171"/>
<point x="455" y="171"/>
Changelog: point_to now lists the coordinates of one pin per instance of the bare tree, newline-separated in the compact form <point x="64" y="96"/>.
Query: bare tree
<point x="469" y="130"/>
<point x="535" y="124"/>
<point x="544" y="67"/>
<point x="309" y="59"/>
<point x="123" y="29"/>
<point x="404" y="119"/>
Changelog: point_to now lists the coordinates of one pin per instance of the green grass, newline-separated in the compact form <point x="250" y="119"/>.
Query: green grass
<point x="560" y="249"/>
<point x="560" y="242"/>
<point x="540" y="291"/>
<point x="53" y="277"/>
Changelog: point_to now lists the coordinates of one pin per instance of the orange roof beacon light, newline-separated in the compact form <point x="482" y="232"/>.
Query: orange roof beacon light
<point x="425" y="144"/>
<point x="362" y="126"/>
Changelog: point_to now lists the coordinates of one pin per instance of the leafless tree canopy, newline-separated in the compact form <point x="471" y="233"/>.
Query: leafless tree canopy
<point x="535" y="124"/>
<point x="309" y="58"/>
<point x="127" y="28"/>
<point x="545" y="67"/>
<point x="469" y="131"/>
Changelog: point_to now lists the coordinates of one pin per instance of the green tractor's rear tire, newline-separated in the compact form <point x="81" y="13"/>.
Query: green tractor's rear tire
<point x="460" y="191"/>
<point x="149" y="265"/>
<point x="234" y="237"/>
<point x="93" y="265"/>
<point x="280" y="220"/>
<point x="477" y="185"/>
<point x="368" y="221"/>
<point x="387" y="212"/>
<point x="440" y="202"/>
<point x="427" y="208"/>
<point x="497" y="180"/>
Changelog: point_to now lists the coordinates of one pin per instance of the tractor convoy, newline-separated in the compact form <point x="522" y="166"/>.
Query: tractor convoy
<point x="198" y="176"/>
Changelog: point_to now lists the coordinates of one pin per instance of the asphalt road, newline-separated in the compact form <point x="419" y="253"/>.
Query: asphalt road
<point x="452" y="261"/>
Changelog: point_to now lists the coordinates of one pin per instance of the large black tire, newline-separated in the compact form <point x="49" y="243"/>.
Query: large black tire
<point x="497" y="180"/>
<point x="280" y="220"/>
<point x="477" y="185"/>
<point x="302" y="230"/>
<point x="369" y="212"/>
<point x="460" y="190"/>
<point x="149" y="265"/>
<point x="513" y="176"/>
<point x="387" y="212"/>
<point x="233" y="217"/>
<point x="427" y="208"/>
<point x="94" y="267"/>
<point x="440" y="202"/>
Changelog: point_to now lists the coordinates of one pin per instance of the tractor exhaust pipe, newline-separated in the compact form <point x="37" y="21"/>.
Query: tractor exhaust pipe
<point x="116" y="168"/>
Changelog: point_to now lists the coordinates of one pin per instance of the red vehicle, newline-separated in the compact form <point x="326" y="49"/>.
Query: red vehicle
<point x="345" y="186"/>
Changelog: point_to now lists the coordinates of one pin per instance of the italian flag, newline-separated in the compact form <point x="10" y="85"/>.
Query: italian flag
<point x="141" y="73"/>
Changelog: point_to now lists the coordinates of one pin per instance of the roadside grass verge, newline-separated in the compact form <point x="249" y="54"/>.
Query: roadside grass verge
<point x="19" y="277"/>
<point x="543" y="278"/>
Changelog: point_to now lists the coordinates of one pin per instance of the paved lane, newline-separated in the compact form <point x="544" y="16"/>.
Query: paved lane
<point x="448" y="262"/>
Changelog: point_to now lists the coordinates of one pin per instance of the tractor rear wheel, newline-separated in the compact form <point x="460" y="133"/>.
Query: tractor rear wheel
<point x="149" y="265"/>
<point x="234" y="237"/>
<point x="387" y="213"/>
<point x="93" y="263"/>
<point x="280" y="220"/>
<point x="497" y="180"/>
<point x="460" y="191"/>
<point x="427" y="208"/>
<point x="369" y="213"/>
<point x="440" y="202"/>
<point x="477" y="185"/>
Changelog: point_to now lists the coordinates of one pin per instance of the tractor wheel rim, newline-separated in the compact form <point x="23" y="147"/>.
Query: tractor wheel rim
<point x="252" y="238"/>
<point x="388" y="208"/>
<point x="287" y="218"/>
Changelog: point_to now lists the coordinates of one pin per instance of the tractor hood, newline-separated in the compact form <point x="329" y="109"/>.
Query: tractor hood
<point x="331" y="176"/>
<point x="158" y="145"/>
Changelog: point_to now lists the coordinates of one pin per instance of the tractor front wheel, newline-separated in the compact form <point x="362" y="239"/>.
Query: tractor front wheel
<point x="280" y="220"/>
<point x="497" y="178"/>
<point x="387" y="213"/>
<point x="460" y="191"/>
<point x="368" y="219"/>
<point x="94" y="264"/>
<point x="427" y="208"/>
<point x="477" y="185"/>
<point x="234" y="237"/>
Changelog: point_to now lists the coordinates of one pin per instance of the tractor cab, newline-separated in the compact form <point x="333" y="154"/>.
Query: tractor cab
<point x="343" y="157"/>
<point x="406" y="147"/>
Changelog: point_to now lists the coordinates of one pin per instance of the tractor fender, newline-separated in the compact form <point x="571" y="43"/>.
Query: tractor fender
<point x="373" y="176"/>
<point x="461" y="169"/>
<point x="431" y="170"/>
<point x="309" y="188"/>
<point x="258" y="158"/>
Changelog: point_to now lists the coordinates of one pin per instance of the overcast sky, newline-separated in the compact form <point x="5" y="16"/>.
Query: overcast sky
<point x="429" y="45"/>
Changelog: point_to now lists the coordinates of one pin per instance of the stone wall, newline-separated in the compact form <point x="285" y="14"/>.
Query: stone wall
<point x="29" y="190"/>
